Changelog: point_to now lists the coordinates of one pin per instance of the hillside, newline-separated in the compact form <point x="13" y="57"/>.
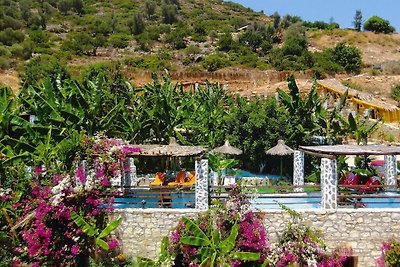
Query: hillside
<point x="195" y="40"/>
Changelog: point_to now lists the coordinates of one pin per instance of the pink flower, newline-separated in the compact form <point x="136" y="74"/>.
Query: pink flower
<point x="38" y="171"/>
<point x="385" y="246"/>
<point x="75" y="249"/>
<point x="16" y="262"/>
<point x="113" y="244"/>
<point x="104" y="181"/>
<point x="80" y="173"/>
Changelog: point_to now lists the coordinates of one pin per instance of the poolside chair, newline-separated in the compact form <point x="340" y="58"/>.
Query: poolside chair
<point x="159" y="179"/>
<point x="180" y="179"/>
<point x="191" y="180"/>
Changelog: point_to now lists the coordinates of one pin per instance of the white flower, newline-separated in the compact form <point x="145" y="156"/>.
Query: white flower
<point x="311" y="262"/>
<point x="114" y="149"/>
<point x="56" y="199"/>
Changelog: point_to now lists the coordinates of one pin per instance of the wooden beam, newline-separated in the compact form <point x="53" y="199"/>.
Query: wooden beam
<point x="321" y="155"/>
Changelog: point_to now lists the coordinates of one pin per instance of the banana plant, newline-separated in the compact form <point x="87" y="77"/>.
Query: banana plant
<point x="91" y="230"/>
<point x="212" y="250"/>
<point x="361" y="127"/>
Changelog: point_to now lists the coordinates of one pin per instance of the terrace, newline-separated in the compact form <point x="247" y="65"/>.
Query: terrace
<point x="142" y="192"/>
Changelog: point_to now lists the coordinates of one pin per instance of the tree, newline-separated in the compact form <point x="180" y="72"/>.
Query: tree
<point x="150" y="8"/>
<point x="225" y="42"/>
<point x="251" y="38"/>
<point x="136" y="24"/>
<point x="277" y="19"/>
<point x="64" y="6"/>
<point x="377" y="24"/>
<point x="169" y="13"/>
<point x="347" y="56"/>
<point x="357" y="20"/>
<point x="78" y="6"/>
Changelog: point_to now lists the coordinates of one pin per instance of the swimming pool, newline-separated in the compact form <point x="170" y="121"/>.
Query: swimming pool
<point x="154" y="198"/>
<point x="309" y="200"/>
<point x="290" y="200"/>
<point x="244" y="173"/>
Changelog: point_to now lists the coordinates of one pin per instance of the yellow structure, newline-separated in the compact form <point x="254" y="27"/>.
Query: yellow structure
<point x="361" y="101"/>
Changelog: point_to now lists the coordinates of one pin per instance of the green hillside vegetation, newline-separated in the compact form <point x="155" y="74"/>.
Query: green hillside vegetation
<point x="193" y="35"/>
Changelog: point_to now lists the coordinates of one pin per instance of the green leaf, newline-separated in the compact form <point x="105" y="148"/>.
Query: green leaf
<point x="85" y="227"/>
<point x="229" y="243"/>
<point x="246" y="256"/>
<point x="111" y="227"/>
<point x="198" y="233"/>
<point x="101" y="243"/>
<point x="205" y="262"/>
<point x="352" y="122"/>
<point x="195" y="241"/>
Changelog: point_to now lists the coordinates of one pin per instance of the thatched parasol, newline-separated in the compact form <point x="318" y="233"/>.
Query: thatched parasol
<point x="227" y="149"/>
<point x="280" y="150"/>
<point x="173" y="149"/>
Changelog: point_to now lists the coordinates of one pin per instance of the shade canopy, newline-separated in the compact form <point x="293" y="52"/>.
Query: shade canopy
<point x="173" y="149"/>
<point x="358" y="150"/>
<point x="280" y="149"/>
<point x="227" y="149"/>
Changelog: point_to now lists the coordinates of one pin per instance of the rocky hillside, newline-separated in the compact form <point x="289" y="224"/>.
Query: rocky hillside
<point x="195" y="40"/>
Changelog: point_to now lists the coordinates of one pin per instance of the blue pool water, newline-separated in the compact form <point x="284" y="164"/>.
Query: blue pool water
<point x="244" y="173"/>
<point x="266" y="201"/>
<point x="391" y="200"/>
<point x="142" y="200"/>
<point x="292" y="200"/>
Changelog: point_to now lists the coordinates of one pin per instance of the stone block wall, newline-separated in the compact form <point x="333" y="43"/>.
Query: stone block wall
<point x="363" y="229"/>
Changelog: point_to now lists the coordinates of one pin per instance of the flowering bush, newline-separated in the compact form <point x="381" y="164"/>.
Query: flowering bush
<point x="228" y="233"/>
<point x="195" y="242"/>
<point x="390" y="254"/>
<point x="64" y="221"/>
<point x="300" y="245"/>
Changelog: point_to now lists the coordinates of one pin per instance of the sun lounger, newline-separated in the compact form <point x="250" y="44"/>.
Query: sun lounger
<point x="191" y="180"/>
<point x="159" y="179"/>
<point x="180" y="179"/>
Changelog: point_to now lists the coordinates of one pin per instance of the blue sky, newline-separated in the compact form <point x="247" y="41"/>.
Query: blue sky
<point x="342" y="11"/>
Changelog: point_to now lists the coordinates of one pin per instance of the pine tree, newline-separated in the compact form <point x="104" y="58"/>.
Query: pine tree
<point x="357" y="20"/>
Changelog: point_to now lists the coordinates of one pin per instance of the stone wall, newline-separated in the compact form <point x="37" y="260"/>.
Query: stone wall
<point x="363" y="229"/>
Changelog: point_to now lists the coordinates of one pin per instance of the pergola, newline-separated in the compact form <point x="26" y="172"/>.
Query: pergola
<point x="329" y="179"/>
<point x="173" y="149"/>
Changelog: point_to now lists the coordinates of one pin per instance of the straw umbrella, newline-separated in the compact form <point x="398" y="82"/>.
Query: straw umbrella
<point x="227" y="149"/>
<point x="280" y="150"/>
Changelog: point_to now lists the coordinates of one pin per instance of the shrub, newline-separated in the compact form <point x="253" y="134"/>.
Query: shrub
<point x="300" y="244"/>
<point x="215" y="62"/>
<point x="230" y="234"/>
<point x="395" y="92"/>
<point x="390" y="256"/>
<point x="10" y="36"/>
<point x="324" y="61"/>
<point x="119" y="40"/>
<point x="65" y="221"/>
<point x="4" y="51"/>
<point x="377" y="24"/>
<point x="5" y="62"/>
<point x="347" y="56"/>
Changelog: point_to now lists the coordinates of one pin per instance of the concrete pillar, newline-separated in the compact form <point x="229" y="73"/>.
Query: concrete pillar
<point x="201" y="168"/>
<point x="298" y="170"/>
<point x="329" y="183"/>
<point x="390" y="172"/>
<point x="130" y="175"/>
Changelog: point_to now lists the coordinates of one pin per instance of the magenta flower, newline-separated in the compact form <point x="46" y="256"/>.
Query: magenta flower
<point x="113" y="244"/>
<point x="104" y="181"/>
<point x="75" y="249"/>
<point x="80" y="173"/>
